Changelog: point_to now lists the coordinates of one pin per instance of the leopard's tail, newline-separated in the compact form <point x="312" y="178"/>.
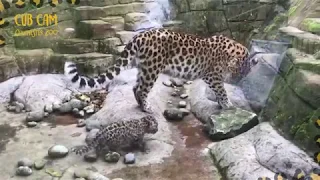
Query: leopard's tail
<point x="126" y="60"/>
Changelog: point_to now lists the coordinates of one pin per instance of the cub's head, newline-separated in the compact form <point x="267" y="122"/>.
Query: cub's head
<point x="151" y="124"/>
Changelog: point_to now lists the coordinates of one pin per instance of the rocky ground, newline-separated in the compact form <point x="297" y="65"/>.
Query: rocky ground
<point x="180" y="150"/>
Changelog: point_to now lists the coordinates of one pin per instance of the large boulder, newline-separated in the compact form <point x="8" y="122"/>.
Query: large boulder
<point x="260" y="152"/>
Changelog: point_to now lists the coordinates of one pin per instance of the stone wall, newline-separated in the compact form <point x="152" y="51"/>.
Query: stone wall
<point x="294" y="101"/>
<point x="234" y="18"/>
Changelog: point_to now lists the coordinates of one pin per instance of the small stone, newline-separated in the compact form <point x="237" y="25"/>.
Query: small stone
<point x="56" y="106"/>
<point x="183" y="96"/>
<point x="129" y="158"/>
<point x="58" y="151"/>
<point x="96" y="176"/>
<point x="11" y="108"/>
<point x="80" y="179"/>
<point x="89" y="109"/>
<point x="24" y="171"/>
<point x="176" y="90"/>
<point x="112" y="157"/>
<point x="185" y="112"/>
<point x="32" y="124"/>
<point x="48" y="108"/>
<point x="84" y="98"/>
<point x="174" y="94"/>
<point x="81" y="173"/>
<point x="167" y="83"/>
<point x="177" y="82"/>
<point x="65" y="107"/>
<point x="45" y="114"/>
<point x="69" y="30"/>
<point x="182" y="104"/>
<point x="117" y="179"/>
<point x="76" y="103"/>
<point x="25" y="162"/>
<point x="19" y="107"/>
<point x="90" y="157"/>
<point x="81" y="113"/>
<point x="75" y="111"/>
<point x="169" y="102"/>
<point x="91" y="135"/>
<point x="81" y="123"/>
<point x="189" y="82"/>
<point x="173" y="114"/>
<point x="39" y="164"/>
<point x="36" y="116"/>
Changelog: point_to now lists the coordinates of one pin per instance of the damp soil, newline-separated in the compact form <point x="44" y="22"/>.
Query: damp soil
<point x="55" y="120"/>
<point x="186" y="162"/>
<point x="6" y="133"/>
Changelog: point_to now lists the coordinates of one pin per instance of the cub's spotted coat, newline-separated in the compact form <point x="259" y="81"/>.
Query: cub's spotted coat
<point x="120" y="134"/>
<point x="180" y="55"/>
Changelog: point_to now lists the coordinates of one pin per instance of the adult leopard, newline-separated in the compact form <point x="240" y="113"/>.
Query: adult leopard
<point x="180" y="55"/>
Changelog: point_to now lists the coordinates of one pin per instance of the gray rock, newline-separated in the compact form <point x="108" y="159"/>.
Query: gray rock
<point x="260" y="151"/>
<point x="66" y="107"/>
<point x="11" y="108"/>
<point x="112" y="157"/>
<point x="23" y="171"/>
<point x="182" y="104"/>
<point x="39" y="164"/>
<point x="53" y="89"/>
<point x="189" y="82"/>
<point x="169" y="102"/>
<point x="58" y="151"/>
<point x="173" y="114"/>
<point x="91" y="135"/>
<point x="81" y="113"/>
<point x="185" y="112"/>
<point x="25" y="162"/>
<point x="18" y="107"/>
<point x="80" y="179"/>
<point x="48" y="108"/>
<point x="90" y="157"/>
<point x="32" y="124"/>
<point x="81" y="173"/>
<point x="177" y="82"/>
<point x="45" y="114"/>
<point x="89" y="109"/>
<point x="174" y="94"/>
<point x="184" y="96"/>
<point x="201" y="105"/>
<point x="35" y="116"/>
<point x="8" y="87"/>
<point x="230" y="123"/>
<point x="75" y="111"/>
<point x="96" y="176"/>
<point x="129" y="158"/>
<point x="75" y="103"/>
<point x="167" y="83"/>
<point x="81" y="123"/>
<point x="56" y="106"/>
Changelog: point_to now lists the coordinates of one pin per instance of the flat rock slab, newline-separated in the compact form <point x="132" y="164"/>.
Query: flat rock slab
<point x="259" y="152"/>
<point x="230" y="123"/>
<point x="203" y="101"/>
<point x="36" y="91"/>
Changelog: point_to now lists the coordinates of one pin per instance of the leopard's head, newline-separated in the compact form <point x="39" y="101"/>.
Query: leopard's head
<point x="240" y="63"/>
<point x="151" y="124"/>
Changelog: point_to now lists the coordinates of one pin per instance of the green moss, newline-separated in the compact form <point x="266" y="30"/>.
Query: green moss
<point x="311" y="25"/>
<point x="294" y="8"/>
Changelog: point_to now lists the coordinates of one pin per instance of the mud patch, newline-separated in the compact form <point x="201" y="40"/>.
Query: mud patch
<point x="6" y="133"/>
<point x="62" y="120"/>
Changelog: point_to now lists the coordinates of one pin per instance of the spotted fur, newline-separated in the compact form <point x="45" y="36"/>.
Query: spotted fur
<point x="180" y="55"/>
<point x="119" y="134"/>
